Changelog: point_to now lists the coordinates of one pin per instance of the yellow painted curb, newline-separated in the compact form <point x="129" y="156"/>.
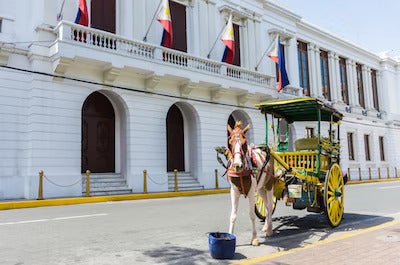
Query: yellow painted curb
<point x="318" y="243"/>
<point x="79" y="200"/>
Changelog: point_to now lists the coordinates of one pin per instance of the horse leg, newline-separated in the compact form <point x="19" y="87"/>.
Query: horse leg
<point x="235" y="194"/>
<point x="268" y="197"/>
<point x="251" y="196"/>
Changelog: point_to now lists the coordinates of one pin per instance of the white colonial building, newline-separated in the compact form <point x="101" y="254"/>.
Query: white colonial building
<point x="100" y="98"/>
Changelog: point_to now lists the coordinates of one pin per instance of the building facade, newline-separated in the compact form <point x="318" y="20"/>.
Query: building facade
<point x="110" y="99"/>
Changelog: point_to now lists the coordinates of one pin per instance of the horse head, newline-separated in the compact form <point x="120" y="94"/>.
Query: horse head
<point x="238" y="145"/>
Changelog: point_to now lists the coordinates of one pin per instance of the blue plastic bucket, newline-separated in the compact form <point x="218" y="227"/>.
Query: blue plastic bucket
<point x="221" y="245"/>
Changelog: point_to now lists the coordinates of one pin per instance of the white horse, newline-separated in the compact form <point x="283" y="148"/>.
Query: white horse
<point x="241" y="159"/>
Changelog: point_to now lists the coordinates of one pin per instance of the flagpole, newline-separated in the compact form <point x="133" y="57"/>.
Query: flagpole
<point x="266" y="50"/>
<point x="59" y="15"/>
<point x="152" y="20"/>
<point x="212" y="48"/>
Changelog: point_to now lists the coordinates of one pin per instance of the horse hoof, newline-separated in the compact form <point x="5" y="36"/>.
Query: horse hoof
<point x="255" y="242"/>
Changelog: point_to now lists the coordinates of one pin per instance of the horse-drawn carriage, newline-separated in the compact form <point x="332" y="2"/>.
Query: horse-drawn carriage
<point x="312" y="176"/>
<point x="308" y="177"/>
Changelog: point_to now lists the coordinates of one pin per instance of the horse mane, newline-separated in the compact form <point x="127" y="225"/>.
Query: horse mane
<point x="238" y="124"/>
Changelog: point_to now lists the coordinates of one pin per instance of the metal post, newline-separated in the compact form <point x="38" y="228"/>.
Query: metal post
<point x="370" y="174"/>
<point x="348" y="174"/>
<point x="359" y="173"/>
<point x="145" y="181"/>
<point x="379" y="172"/>
<point x="175" y="180"/>
<point x="87" y="183"/>
<point x="388" y="174"/>
<point x="216" y="179"/>
<point x="395" y="170"/>
<point x="40" y="193"/>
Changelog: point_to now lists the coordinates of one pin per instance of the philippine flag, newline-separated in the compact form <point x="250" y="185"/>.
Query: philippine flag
<point x="228" y="39"/>
<point x="276" y="55"/>
<point x="82" y="17"/>
<point x="164" y="17"/>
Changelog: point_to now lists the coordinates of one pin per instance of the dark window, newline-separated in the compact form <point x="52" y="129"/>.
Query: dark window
<point x="350" y="145"/>
<point x="382" y="148"/>
<point x="178" y="17"/>
<point x="303" y="67"/>
<point x="326" y="88"/>
<point x="236" y="60"/>
<point x="366" y="145"/>
<point x="310" y="132"/>
<point x="360" y="85"/>
<point x="375" y="90"/>
<point x="102" y="15"/>
<point x="343" y="80"/>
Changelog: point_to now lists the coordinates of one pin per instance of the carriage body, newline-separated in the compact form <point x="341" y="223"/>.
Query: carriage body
<point x="312" y="178"/>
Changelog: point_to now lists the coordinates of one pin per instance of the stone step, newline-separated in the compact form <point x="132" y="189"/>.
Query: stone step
<point x="106" y="184"/>
<point x="106" y="193"/>
<point x="185" y="182"/>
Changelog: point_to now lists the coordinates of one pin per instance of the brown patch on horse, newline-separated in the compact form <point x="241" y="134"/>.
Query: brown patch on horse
<point x="246" y="184"/>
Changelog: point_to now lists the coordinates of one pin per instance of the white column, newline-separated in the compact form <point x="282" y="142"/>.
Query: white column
<point x="125" y="20"/>
<point x="213" y="27"/>
<point x="292" y="66"/>
<point x="318" y="72"/>
<point x="334" y="84"/>
<point x="353" y="92"/>
<point x="312" y="70"/>
<point x="369" y="104"/>
<point x="142" y="22"/>
<point x="247" y="49"/>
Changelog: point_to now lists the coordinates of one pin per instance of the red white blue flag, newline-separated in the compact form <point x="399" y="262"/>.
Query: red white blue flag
<point x="164" y="17"/>
<point x="276" y="54"/>
<point x="228" y="39"/>
<point x="82" y="17"/>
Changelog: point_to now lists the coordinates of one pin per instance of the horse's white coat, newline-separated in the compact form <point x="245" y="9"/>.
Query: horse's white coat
<point x="238" y="162"/>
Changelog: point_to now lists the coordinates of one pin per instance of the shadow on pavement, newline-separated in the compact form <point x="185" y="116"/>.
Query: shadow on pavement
<point x="174" y="255"/>
<point x="292" y="231"/>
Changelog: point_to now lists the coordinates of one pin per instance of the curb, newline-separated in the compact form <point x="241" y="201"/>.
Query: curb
<point x="80" y="200"/>
<point x="8" y="205"/>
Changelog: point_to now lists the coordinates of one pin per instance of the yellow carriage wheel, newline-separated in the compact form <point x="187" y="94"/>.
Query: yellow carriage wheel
<point x="260" y="209"/>
<point x="334" y="195"/>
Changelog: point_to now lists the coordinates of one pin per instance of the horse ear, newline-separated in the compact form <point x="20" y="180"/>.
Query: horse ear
<point x="229" y="129"/>
<point x="246" y="128"/>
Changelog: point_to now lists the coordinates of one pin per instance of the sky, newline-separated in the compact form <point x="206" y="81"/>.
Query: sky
<point x="372" y="25"/>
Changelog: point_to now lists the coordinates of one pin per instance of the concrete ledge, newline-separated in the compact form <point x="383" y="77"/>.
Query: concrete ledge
<point x="79" y="200"/>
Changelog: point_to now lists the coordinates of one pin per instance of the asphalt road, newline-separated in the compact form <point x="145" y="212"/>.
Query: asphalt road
<point x="173" y="230"/>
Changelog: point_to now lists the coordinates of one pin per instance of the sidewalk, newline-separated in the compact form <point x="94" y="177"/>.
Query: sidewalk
<point x="375" y="245"/>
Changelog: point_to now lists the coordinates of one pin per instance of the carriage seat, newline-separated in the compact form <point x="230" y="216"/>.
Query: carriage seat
<point x="306" y="144"/>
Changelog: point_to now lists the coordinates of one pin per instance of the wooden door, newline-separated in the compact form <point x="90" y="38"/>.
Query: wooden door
<point x="178" y="17"/>
<point x="98" y="135"/>
<point x="102" y="15"/>
<point x="175" y="140"/>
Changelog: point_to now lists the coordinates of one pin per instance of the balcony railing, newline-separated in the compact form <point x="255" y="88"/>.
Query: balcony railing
<point x="97" y="39"/>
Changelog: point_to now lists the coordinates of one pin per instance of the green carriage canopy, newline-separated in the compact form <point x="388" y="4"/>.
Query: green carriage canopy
<point x="300" y="109"/>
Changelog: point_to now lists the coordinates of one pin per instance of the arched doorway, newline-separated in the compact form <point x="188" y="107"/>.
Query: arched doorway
<point x="175" y="140"/>
<point x="98" y="134"/>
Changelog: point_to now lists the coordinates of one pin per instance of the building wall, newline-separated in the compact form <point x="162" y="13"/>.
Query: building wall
<point x="44" y="82"/>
